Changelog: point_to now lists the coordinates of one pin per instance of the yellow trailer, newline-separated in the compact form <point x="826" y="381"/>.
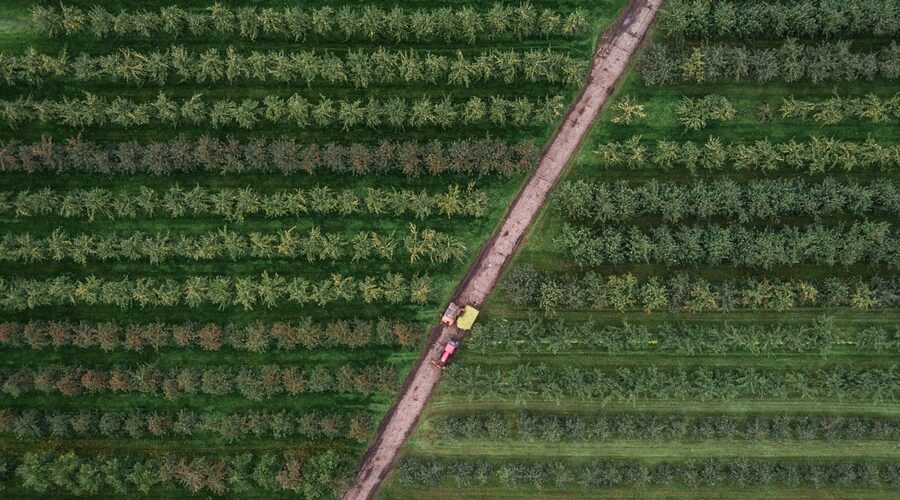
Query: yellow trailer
<point x="467" y="318"/>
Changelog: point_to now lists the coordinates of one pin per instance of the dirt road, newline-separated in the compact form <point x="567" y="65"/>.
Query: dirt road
<point x="615" y="49"/>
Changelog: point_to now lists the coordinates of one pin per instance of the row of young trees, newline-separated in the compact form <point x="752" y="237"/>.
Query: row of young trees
<point x="345" y="23"/>
<point x="704" y="19"/>
<point x="297" y="111"/>
<point x="821" y="336"/>
<point x="522" y="382"/>
<point x="247" y="292"/>
<point x="791" y="62"/>
<point x="297" y="472"/>
<point x="818" y="155"/>
<point x="872" y="243"/>
<point x="224" y="244"/>
<point x="285" y="155"/>
<point x="552" y="291"/>
<point x="236" y="205"/>
<point x="534" y="426"/>
<point x="254" y="337"/>
<point x="255" y="384"/>
<point x="833" y="110"/>
<point x="710" y="473"/>
<point x="773" y="199"/>
<point x="359" y="68"/>
<point x="185" y="424"/>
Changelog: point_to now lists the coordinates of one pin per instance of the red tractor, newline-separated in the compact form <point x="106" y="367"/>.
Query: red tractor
<point x="449" y="349"/>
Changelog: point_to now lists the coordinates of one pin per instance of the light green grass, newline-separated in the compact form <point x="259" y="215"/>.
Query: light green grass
<point x="748" y="493"/>
<point x="653" y="451"/>
<point x="540" y="250"/>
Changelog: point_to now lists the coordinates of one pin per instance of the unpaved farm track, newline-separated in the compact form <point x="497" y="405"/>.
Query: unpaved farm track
<point x="616" y="47"/>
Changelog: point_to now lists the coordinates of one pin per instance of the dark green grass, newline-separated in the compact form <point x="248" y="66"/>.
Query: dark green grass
<point x="226" y="404"/>
<point x="16" y="34"/>
<point x="172" y="358"/>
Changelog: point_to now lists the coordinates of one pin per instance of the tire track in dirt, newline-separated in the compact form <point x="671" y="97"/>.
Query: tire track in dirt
<point x="616" y="47"/>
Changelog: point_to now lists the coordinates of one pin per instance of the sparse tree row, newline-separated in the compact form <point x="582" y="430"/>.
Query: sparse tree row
<point x="282" y="156"/>
<point x="68" y="473"/>
<point x="185" y="424"/>
<point x="346" y="23"/>
<point x="695" y="114"/>
<point x="872" y="243"/>
<point x="818" y="155"/>
<point x="698" y="113"/>
<point x="237" y="204"/>
<point x="767" y="199"/>
<point x="359" y="68"/>
<point x="255" y="337"/>
<point x="534" y="426"/>
<point x="822" y="336"/>
<point x="685" y="293"/>
<point x="256" y="384"/>
<point x="791" y="62"/>
<point x="833" y="110"/>
<point x="224" y="244"/>
<point x="396" y="112"/>
<point x="541" y="382"/>
<point x="265" y="290"/>
<point x="709" y="473"/>
<point x="703" y="19"/>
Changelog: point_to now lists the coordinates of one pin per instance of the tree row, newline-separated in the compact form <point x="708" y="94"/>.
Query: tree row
<point x="871" y="243"/>
<point x="683" y="19"/>
<point x="347" y="23"/>
<point x="595" y="474"/>
<point x="255" y="337"/>
<point x="790" y="62"/>
<point x="534" y="426"/>
<point x="697" y="113"/>
<point x="67" y="473"/>
<point x="297" y="111"/>
<point x="285" y="155"/>
<point x="237" y="204"/>
<point x="247" y="292"/>
<point x="552" y="291"/>
<point x="836" y="109"/>
<point x="358" y="68"/>
<point x="541" y="382"/>
<point x="818" y="155"/>
<point x="771" y="199"/>
<point x="821" y="336"/>
<point x="255" y="384"/>
<point x="425" y="245"/>
<point x="185" y="424"/>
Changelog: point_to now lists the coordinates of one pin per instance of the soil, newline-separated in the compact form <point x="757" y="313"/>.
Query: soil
<point x="615" y="49"/>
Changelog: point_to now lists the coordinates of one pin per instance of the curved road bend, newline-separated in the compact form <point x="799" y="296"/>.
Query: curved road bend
<point x="617" y="46"/>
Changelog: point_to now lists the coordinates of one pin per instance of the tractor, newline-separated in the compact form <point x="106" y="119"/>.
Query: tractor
<point x="464" y="318"/>
<point x="449" y="349"/>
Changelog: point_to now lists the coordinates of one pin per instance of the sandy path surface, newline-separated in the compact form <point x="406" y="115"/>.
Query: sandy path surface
<point x="617" y="46"/>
